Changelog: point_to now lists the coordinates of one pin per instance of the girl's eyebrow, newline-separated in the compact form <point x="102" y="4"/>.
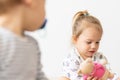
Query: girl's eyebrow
<point x="88" y="39"/>
<point x="92" y="40"/>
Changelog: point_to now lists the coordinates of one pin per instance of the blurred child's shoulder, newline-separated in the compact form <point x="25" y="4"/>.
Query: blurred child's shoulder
<point x="31" y="39"/>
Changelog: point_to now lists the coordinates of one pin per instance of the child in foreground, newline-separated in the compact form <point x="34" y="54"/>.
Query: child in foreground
<point x="19" y="52"/>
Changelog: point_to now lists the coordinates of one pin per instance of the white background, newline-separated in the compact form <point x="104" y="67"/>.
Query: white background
<point x="55" y="39"/>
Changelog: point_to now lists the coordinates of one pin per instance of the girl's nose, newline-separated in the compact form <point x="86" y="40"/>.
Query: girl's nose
<point x="93" y="46"/>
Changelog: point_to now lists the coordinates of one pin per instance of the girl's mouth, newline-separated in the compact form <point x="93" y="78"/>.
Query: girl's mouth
<point x="92" y="52"/>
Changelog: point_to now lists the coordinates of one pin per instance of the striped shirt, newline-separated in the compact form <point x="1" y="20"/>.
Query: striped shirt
<point x="19" y="58"/>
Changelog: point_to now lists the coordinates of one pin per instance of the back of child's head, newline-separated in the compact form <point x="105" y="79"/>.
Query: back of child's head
<point x="81" y="18"/>
<point x="6" y="5"/>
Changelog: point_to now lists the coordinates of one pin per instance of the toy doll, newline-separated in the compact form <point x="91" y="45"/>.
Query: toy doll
<point x="95" y="69"/>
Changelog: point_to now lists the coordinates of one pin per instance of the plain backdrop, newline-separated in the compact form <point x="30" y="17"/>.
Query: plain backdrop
<point x="55" y="41"/>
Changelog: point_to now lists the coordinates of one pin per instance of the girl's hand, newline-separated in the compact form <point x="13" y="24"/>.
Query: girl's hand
<point x="106" y="74"/>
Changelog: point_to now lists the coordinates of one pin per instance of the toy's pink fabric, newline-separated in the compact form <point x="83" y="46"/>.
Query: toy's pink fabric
<point x="98" y="71"/>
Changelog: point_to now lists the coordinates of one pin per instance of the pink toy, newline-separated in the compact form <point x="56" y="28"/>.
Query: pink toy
<point x="98" y="71"/>
<point x="90" y="68"/>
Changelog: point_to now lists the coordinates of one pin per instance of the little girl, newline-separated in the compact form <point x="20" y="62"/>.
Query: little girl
<point x="86" y="35"/>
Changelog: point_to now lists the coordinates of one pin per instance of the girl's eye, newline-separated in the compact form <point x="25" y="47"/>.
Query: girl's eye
<point x="97" y="42"/>
<point x="89" y="42"/>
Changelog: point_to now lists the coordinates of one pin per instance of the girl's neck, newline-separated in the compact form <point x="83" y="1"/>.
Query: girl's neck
<point x="13" y="22"/>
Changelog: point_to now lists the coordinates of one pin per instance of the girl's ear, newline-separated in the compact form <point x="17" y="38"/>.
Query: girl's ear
<point x="74" y="39"/>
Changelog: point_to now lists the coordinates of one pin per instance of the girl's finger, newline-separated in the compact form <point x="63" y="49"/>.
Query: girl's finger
<point x="95" y="78"/>
<point x="89" y="78"/>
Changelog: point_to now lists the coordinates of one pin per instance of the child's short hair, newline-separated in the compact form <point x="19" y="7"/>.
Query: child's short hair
<point x="79" y="18"/>
<point x="5" y="5"/>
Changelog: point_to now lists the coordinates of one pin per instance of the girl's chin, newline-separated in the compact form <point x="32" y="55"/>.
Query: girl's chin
<point x="87" y="57"/>
<point x="90" y="56"/>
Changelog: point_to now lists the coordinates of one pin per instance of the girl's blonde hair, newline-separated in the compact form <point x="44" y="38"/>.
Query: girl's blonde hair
<point x="5" y="5"/>
<point x="79" y="18"/>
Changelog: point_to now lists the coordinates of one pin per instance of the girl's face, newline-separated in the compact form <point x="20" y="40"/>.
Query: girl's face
<point x="88" y="41"/>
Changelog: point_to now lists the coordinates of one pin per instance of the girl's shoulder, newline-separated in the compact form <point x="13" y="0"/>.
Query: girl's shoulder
<point x="72" y="57"/>
<point x="73" y="54"/>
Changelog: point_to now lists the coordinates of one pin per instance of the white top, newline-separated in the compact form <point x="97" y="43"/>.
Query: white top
<point x="71" y="64"/>
<point x="19" y="58"/>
